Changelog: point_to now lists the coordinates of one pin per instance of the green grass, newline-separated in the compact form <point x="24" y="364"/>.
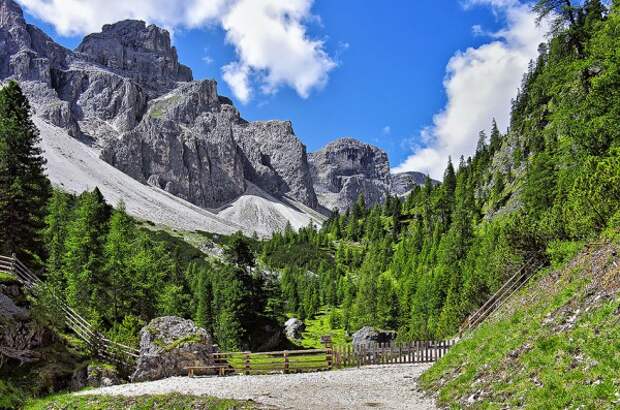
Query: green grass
<point x="526" y="359"/>
<point x="173" y="401"/>
<point x="320" y="326"/>
<point x="263" y="363"/>
<point x="7" y="277"/>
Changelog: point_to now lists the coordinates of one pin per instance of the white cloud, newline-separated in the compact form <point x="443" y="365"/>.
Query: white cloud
<point x="387" y="130"/>
<point x="479" y="84"/>
<point x="270" y="37"/>
<point x="236" y="76"/>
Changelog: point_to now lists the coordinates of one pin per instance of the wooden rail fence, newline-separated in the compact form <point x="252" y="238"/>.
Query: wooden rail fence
<point x="391" y="353"/>
<point x="296" y="361"/>
<point x="102" y="347"/>
<point x="509" y="288"/>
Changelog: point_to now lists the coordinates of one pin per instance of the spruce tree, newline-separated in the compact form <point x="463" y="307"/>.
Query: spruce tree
<point x="24" y="188"/>
<point x="57" y="222"/>
<point x="82" y="262"/>
<point x="117" y="253"/>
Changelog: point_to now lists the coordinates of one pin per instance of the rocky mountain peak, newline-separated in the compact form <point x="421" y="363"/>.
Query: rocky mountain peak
<point x="11" y="14"/>
<point x="143" y="53"/>
<point x="346" y="168"/>
<point x="353" y="157"/>
<point x="404" y="182"/>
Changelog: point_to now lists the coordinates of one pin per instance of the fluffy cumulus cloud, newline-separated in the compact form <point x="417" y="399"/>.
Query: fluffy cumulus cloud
<point x="479" y="85"/>
<point x="269" y="36"/>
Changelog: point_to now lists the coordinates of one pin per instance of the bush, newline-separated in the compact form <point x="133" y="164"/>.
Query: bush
<point x="10" y="396"/>
<point x="560" y="252"/>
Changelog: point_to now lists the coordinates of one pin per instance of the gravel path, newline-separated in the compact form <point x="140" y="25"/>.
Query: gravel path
<point x="385" y="387"/>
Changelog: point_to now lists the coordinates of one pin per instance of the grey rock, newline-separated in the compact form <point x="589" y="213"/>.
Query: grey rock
<point x="184" y="145"/>
<point x="139" y="52"/>
<point x="346" y="168"/>
<point x="98" y="375"/>
<point x="276" y="160"/>
<point x="168" y="345"/>
<point x="369" y="335"/>
<point x="294" y="328"/>
<point x="404" y="182"/>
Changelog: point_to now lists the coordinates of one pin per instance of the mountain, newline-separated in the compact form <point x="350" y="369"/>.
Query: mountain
<point x="346" y="168"/>
<point x="125" y="98"/>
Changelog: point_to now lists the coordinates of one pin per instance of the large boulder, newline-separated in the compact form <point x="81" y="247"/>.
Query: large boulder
<point x="369" y="335"/>
<point x="293" y="328"/>
<point x="102" y="375"/>
<point x="170" y="344"/>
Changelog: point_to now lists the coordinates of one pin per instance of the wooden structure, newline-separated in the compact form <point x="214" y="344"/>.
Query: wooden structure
<point x="248" y="363"/>
<point x="100" y="346"/>
<point x="509" y="288"/>
<point x="297" y="361"/>
<point x="391" y="353"/>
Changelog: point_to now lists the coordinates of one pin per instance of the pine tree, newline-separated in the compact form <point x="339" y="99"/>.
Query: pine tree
<point x="82" y="262"/>
<point x="496" y="138"/>
<point x="117" y="254"/>
<point x="57" y="222"/>
<point x="204" y="296"/>
<point x="24" y="188"/>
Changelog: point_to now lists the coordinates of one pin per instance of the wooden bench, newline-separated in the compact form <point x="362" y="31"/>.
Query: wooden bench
<point x="221" y="369"/>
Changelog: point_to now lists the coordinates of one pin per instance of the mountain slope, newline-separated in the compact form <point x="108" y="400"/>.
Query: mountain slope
<point x="77" y="168"/>
<point x="554" y="345"/>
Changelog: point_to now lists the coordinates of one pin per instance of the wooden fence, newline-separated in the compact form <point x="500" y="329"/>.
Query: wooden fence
<point x="509" y="288"/>
<point x="297" y="361"/>
<point x="391" y="353"/>
<point x="102" y="347"/>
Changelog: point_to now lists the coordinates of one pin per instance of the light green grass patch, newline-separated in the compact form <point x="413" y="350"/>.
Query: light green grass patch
<point x="173" y="401"/>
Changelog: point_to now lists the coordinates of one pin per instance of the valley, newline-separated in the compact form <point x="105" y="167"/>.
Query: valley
<point x="149" y="232"/>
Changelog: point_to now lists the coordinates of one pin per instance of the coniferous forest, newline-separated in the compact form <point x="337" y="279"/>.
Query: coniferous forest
<point x="419" y="264"/>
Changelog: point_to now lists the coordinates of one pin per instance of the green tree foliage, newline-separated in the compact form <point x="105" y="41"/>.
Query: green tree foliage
<point x="423" y="264"/>
<point x="24" y="188"/>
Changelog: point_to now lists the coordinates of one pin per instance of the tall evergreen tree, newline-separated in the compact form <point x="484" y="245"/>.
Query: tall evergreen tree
<point x="57" y="222"/>
<point x="82" y="262"/>
<point x="117" y="252"/>
<point x="24" y="188"/>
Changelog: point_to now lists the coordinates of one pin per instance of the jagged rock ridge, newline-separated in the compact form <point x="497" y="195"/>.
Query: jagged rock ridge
<point x="124" y="91"/>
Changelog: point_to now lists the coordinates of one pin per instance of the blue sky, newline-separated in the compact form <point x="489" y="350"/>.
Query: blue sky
<point x="385" y="77"/>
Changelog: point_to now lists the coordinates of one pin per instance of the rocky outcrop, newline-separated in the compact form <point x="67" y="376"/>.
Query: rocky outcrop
<point x="276" y="160"/>
<point x="369" y="335"/>
<point x="346" y="168"/>
<point x="101" y="375"/>
<point x="28" y="343"/>
<point x="168" y="345"/>
<point x="404" y="182"/>
<point x="142" y="53"/>
<point x="293" y="328"/>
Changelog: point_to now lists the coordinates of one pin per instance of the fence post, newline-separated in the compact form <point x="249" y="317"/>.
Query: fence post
<point x="285" y="361"/>
<point x="247" y="362"/>
<point x="329" y="357"/>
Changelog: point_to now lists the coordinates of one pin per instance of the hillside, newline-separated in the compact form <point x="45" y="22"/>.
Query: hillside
<point x="76" y="168"/>
<point x="554" y="345"/>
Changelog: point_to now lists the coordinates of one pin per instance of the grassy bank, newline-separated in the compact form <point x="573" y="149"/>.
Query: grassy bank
<point x="169" y="401"/>
<point x="554" y="346"/>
